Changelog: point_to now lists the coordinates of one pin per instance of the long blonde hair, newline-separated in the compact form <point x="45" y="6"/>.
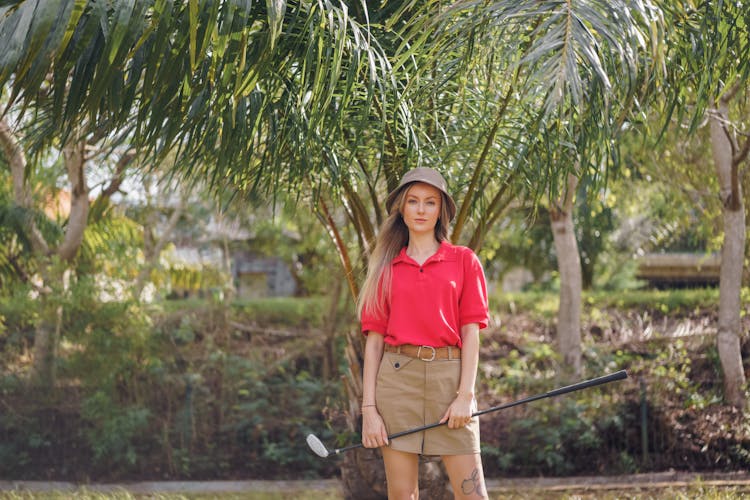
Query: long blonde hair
<point x="392" y="237"/>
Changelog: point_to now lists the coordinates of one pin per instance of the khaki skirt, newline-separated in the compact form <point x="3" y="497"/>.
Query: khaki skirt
<point x="412" y="393"/>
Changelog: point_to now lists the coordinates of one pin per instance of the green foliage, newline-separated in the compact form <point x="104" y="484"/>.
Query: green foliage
<point x="594" y="222"/>
<point x="113" y="235"/>
<point x="676" y="209"/>
<point x="678" y="301"/>
<point x="672" y="396"/>
<point x="111" y="430"/>
<point x="167" y="71"/>
<point x="284" y="312"/>
<point x="183" y="278"/>
<point x="175" y="393"/>
<point x="538" y="303"/>
<point x="276" y="413"/>
<point x="19" y="319"/>
<point x="557" y="438"/>
<point x="175" y="390"/>
<point x="523" y="239"/>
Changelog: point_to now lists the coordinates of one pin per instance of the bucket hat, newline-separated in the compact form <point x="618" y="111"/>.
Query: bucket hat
<point x="428" y="176"/>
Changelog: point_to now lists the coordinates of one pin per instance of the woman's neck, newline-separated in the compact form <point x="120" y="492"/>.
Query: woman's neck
<point x="422" y="246"/>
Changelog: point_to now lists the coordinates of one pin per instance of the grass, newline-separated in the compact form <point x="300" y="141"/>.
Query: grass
<point x="90" y="495"/>
<point x="646" y="492"/>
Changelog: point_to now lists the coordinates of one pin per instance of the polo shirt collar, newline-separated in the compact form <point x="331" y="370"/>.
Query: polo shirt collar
<point x="436" y="257"/>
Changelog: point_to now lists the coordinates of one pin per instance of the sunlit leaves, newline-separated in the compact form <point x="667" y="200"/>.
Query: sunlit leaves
<point x="578" y="71"/>
<point x="707" y="54"/>
<point x="235" y="85"/>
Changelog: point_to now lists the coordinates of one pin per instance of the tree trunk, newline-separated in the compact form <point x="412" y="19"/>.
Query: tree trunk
<point x="16" y="158"/>
<point x="48" y="330"/>
<point x="732" y="257"/>
<point x="51" y="269"/>
<point x="75" y="161"/>
<point x="569" y="266"/>
<point x="44" y="369"/>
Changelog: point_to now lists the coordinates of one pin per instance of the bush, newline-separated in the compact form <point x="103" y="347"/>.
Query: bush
<point x="154" y="393"/>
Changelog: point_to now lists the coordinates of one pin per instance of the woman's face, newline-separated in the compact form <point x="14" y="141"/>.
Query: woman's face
<point x="422" y="204"/>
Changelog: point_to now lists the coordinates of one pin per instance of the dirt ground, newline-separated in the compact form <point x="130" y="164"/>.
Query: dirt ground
<point x="542" y="487"/>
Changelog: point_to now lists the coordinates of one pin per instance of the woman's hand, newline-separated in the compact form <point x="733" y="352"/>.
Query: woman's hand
<point x="459" y="412"/>
<point x="374" y="434"/>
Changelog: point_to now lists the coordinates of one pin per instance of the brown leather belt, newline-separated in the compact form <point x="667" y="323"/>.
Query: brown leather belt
<point x="425" y="352"/>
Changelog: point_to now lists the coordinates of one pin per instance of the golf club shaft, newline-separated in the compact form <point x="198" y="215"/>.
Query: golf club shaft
<point x="605" y="379"/>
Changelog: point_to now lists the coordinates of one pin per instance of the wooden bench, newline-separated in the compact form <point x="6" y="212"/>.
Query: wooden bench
<point x="679" y="269"/>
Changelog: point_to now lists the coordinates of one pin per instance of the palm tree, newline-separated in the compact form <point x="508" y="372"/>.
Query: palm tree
<point x="513" y="100"/>
<point x="53" y="249"/>
<point x="508" y="98"/>
<point x="216" y="82"/>
<point x="245" y="86"/>
<point x="575" y="74"/>
<point x="709" y="80"/>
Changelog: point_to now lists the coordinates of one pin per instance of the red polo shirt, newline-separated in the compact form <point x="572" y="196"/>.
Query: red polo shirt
<point x="430" y="303"/>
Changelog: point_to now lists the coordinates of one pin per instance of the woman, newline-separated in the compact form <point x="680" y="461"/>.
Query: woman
<point x="421" y="307"/>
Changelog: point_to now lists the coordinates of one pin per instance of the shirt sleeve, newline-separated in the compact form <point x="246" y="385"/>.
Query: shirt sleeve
<point x="473" y="304"/>
<point x="372" y="321"/>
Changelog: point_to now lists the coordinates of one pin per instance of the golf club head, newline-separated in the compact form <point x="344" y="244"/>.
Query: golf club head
<point x="317" y="446"/>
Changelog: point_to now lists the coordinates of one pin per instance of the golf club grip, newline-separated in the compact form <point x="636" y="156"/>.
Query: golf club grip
<point x="604" y="379"/>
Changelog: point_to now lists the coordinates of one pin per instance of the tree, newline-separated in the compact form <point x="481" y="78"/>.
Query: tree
<point x="550" y="125"/>
<point x="215" y="81"/>
<point x="585" y="73"/>
<point x="54" y="256"/>
<point x="709" y="63"/>
<point x="505" y="97"/>
<point x="221" y="83"/>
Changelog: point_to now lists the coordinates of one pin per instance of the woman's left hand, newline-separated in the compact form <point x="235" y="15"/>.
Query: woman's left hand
<point x="459" y="412"/>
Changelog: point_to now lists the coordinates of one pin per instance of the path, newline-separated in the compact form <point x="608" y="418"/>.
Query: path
<point x="494" y="486"/>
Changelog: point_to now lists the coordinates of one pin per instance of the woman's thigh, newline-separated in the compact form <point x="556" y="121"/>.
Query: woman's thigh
<point x="466" y="475"/>
<point x="401" y="473"/>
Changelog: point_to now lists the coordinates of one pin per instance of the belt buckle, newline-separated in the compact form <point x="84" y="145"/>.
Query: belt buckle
<point x="419" y="352"/>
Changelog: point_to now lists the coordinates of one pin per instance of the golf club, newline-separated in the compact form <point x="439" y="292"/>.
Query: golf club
<point x="317" y="446"/>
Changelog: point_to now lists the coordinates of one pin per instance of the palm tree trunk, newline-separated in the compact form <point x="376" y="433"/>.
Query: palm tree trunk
<point x="569" y="266"/>
<point x="726" y="163"/>
<point x="46" y="340"/>
<point x="48" y="330"/>
<point x="75" y="160"/>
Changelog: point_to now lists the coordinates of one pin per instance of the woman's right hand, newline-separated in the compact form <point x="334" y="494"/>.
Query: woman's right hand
<point x="374" y="434"/>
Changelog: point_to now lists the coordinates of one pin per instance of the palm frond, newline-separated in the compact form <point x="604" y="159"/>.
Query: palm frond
<point x="225" y="83"/>
<point x="707" y="55"/>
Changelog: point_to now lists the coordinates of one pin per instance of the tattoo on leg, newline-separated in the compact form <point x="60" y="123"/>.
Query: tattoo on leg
<point x="472" y="484"/>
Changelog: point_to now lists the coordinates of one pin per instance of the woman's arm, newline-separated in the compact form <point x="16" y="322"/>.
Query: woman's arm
<point x="469" y="359"/>
<point x="374" y="433"/>
<point x="460" y="411"/>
